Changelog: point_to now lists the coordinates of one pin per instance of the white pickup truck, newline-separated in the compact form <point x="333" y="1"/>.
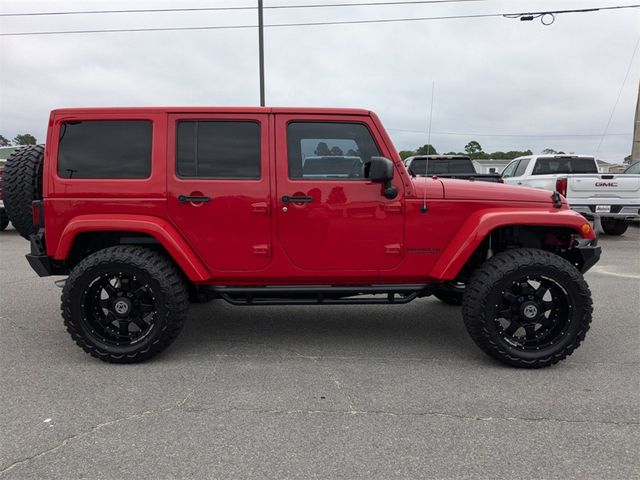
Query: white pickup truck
<point x="610" y="200"/>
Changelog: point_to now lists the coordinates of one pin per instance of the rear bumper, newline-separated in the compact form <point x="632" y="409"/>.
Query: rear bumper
<point x="622" y="212"/>
<point x="40" y="262"/>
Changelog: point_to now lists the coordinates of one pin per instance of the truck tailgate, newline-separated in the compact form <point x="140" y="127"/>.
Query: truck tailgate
<point x="600" y="186"/>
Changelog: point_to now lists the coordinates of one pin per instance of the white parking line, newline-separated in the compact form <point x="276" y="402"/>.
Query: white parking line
<point x="603" y="271"/>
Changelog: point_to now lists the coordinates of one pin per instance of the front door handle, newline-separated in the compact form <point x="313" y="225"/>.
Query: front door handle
<point x="193" y="198"/>
<point x="298" y="199"/>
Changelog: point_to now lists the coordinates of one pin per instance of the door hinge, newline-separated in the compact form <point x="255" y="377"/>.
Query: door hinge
<point x="260" y="207"/>
<point x="263" y="249"/>
<point x="393" y="249"/>
<point x="395" y="207"/>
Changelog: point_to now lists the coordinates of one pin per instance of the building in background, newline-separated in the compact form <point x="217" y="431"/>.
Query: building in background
<point x="490" y="165"/>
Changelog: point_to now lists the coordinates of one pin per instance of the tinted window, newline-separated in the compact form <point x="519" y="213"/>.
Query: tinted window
<point x="522" y="166"/>
<point x="508" y="170"/>
<point x="105" y="149"/>
<point x="546" y="165"/>
<point x="329" y="150"/>
<point x="441" y="166"/>
<point x="217" y="149"/>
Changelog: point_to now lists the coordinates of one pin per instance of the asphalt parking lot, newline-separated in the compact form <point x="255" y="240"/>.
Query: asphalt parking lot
<point x="328" y="392"/>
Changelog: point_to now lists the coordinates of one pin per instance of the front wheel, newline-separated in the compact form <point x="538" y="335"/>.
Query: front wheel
<point x="613" y="226"/>
<point x="527" y="308"/>
<point x="124" y="304"/>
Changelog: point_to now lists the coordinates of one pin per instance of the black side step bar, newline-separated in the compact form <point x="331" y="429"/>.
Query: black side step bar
<point x="321" y="294"/>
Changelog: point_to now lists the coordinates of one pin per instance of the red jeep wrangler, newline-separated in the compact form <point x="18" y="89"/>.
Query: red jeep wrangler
<point x="147" y="208"/>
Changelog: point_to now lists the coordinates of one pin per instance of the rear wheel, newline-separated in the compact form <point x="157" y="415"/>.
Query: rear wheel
<point x="527" y="308"/>
<point x="124" y="304"/>
<point x="21" y="185"/>
<point x="613" y="226"/>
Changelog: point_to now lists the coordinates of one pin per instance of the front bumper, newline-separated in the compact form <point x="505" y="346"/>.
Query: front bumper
<point x="585" y="254"/>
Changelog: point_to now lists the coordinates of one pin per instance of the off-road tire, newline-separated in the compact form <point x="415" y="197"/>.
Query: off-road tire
<point x="614" y="226"/>
<point x="450" y="293"/>
<point x="22" y="184"/>
<point x="164" y="280"/>
<point x="4" y="219"/>
<point x="487" y="286"/>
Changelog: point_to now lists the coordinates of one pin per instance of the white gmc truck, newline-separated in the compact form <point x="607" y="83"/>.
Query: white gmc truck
<point x="611" y="201"/>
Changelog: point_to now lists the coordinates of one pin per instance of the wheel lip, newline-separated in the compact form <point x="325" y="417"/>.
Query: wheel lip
<point x="572" y="323"/>
<point x="83" y="325"/>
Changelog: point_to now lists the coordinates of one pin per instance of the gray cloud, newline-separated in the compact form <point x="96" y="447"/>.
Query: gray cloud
<point x="491" y="75"/>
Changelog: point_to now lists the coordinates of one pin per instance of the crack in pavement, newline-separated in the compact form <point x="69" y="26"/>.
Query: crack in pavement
<point x="351" y="412"/>
<point x="410" y="414"/>
<point x="100" y="426"/>
<point x="316" y="361"/>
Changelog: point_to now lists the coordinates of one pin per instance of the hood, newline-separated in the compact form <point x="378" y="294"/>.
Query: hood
<point x="474" y="190"/>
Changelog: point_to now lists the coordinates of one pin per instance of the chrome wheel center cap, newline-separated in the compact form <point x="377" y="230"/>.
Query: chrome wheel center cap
<point x="530" y="311"/>
<point x="121" y="307"/>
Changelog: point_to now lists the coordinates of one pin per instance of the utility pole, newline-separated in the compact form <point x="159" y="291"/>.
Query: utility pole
<point x="635" y="149"/>
<point x="261" y="50"/>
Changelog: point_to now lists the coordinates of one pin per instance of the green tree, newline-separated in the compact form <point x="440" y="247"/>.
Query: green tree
<point x="627" y="160"/>
<point x="426" y="149"/>
<point x="404" y="154"/>
<point x="472" y="147"/>
<point x="25" y="139"/>
<point x="549" y="151"/>
<point x="322" y="149"/>
<point x="4" y="142"/>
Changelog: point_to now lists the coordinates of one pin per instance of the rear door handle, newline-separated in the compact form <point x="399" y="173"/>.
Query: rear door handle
<point x="192" y="198"/>
<point x="299" y="199"/>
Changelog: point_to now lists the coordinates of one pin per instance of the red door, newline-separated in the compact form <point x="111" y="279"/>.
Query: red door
<point x="329" y="215"/>
<point x="218" y="190"/>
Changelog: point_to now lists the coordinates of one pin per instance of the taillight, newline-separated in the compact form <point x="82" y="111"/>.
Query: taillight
<point x="37" y="213"/>
<point x="561" y="186"/>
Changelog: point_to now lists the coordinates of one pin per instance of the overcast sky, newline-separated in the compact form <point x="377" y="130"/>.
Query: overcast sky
<point x="536" y="86"/>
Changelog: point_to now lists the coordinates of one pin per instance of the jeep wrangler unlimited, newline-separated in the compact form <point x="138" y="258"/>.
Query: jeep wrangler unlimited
<point x="147" y="208"/>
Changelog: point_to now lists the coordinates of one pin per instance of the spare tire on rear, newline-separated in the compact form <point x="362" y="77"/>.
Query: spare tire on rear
<point x="22" y="184"/>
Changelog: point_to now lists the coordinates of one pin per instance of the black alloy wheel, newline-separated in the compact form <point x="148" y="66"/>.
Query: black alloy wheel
<point x="527" y="308"/>
<point x="533" y="313"/>
<point x="124" y="304"/>
<point x="119" y="309"/>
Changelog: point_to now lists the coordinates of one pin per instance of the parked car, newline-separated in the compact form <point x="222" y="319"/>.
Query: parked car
<point x="447" y="166"/>
<point x="146" y="208"/>
<point x="611" y="200"/>
<point x="332" y="166"/>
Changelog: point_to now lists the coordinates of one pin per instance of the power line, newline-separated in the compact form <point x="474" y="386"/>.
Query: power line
<point x="606" y="128"/>
<point x="215" y="9"/>
<point x="302" y="24"/>
<point x="526" y="135"/>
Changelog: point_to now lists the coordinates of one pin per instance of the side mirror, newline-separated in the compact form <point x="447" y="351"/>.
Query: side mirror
<point x="381" y="171"/>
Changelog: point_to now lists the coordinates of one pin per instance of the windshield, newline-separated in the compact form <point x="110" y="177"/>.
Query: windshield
<point x="635" y="168"/>
<point x="550" y="165"/>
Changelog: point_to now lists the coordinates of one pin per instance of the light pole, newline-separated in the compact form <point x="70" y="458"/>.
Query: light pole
<point x="261" y="51"/>
<point x="635" y="148"/>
